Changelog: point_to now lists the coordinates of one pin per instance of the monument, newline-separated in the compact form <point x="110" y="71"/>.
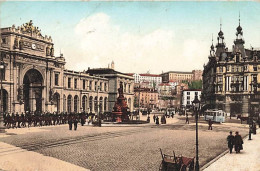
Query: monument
<point x="120" y="109"/>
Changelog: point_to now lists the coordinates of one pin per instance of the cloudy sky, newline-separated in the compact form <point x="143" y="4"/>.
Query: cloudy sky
<point x="137" y="36"/>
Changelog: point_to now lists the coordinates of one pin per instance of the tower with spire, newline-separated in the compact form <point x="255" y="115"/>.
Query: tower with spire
<point x="239" y="42"/>
<point x="221" y="44"/>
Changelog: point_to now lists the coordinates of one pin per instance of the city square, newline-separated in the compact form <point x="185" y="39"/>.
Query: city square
<point x="126" y="147"/>
<point x="129" y="85"/>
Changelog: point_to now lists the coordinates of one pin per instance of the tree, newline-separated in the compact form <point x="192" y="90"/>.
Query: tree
<point x="195" y="84"/>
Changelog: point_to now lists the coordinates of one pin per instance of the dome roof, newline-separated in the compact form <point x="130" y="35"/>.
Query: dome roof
<point x="220" y="34"/>
<point x="239" y="29"/>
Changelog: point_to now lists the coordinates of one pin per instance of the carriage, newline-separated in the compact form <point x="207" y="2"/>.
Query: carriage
<point x="173" y="163"/>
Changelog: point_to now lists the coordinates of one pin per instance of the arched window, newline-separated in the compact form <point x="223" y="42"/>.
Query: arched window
<point x="100" y="104"/>
<point x="96" y="103"/>
<point x="64" y="103"/>
<point x="76" y="100"/>
<point x="69" y="103"/>
<point x="91" y="104"/>
<point x="105" y="104"/>
<point x="84" y="103"/>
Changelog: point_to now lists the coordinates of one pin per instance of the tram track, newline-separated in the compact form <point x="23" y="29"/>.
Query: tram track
<point x="75" y="140"/>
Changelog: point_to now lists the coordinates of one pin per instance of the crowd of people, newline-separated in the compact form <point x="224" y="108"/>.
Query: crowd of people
<point x="30" y="119"/>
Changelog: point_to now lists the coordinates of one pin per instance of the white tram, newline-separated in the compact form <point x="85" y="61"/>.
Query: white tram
<point x="215" y="115"/>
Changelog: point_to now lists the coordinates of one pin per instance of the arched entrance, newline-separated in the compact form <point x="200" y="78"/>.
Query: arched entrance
<point x="5" y="101"/>
<point x="84" y="103"/>
<point x="32" y="91"/>
<point x="56" y="101"/>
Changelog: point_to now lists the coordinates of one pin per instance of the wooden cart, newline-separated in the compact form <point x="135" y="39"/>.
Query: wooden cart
<point x="173" y="163"/>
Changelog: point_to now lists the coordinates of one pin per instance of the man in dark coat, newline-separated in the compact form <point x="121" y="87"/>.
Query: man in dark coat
<point x="75" y="121"/>
<point x="210" y="124"/>
<point x="187" y="119"/>
<point x="157" y="120"/>
<point x="154" y="118"/>
<point x="238" y="141"/>
<point x="70" y="121"/>
<point x="230" y="140"/>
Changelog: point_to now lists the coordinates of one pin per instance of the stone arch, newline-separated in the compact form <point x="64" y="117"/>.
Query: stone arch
<point x="33" y="85"/>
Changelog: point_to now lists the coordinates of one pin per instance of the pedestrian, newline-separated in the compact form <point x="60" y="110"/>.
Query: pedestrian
<point x="70" y="121"/>
<point x="154" y="118"/>
<point x="230" y="140"/>
<point x="75" y="122"/>
<point x="210" y="124"/>
<point x="157" y="120"/>
<point x="238" y="142"/>
<point x="148" y="119"/>
<point x="187" y="119"/>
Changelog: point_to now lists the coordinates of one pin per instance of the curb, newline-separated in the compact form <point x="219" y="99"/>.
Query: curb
<point x="219" y="156"/>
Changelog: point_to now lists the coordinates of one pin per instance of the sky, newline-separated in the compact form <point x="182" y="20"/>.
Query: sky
<point x="138" y="36"/>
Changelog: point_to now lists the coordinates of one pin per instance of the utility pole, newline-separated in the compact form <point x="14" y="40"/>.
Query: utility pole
<point x="2" y="128"/>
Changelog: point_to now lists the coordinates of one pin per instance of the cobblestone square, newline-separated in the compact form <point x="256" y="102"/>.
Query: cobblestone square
<point x="126" y="147"/>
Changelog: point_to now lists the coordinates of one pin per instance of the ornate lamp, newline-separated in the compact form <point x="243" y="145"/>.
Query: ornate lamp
<point x="196" y="107"/>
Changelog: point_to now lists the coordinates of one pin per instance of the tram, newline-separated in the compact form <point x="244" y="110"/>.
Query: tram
<point x="215" y="115"/>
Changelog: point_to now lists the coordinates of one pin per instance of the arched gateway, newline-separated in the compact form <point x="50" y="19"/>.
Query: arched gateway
<point x="32" y="91"/>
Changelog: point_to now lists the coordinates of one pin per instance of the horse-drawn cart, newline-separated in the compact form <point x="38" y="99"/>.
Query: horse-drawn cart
<point x="173" y="163"/>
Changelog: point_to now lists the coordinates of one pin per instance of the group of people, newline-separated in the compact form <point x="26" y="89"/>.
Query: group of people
<point x="235" y="141"/>
<point x="45" y="119"/>
<point x="156" y="119"/>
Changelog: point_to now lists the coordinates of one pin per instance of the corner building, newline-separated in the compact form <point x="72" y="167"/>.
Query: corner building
<point x="34" y="80"/>
<point x="231" y="79"/>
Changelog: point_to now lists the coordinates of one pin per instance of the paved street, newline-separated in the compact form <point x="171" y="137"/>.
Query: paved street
<point x="129" y="147"/>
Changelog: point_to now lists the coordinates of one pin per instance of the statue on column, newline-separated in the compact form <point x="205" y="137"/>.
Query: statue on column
<point x="21" y="44"/>
<point x="120" y="89"/>
<point x="16" y="45"/>
<point x="48" y="53"/>
<point x="52" y="51"/>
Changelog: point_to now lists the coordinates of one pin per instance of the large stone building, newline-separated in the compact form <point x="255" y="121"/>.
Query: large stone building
<point x="33" y="79"/>
<point x="231" y="79"/>
<point x="179" y="76"/>
<point x="115" y="78"/>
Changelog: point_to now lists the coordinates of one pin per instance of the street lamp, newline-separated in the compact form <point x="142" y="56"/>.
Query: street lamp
<point x="2" y="128"/>
<point x="196" y="107"/>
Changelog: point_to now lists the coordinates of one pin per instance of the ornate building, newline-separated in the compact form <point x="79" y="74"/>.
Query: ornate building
<point x="33" y="79"/>
<point x="231" y="79"/>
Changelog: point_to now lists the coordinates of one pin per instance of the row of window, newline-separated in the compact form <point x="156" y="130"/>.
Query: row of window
<point x="237" y="68"/>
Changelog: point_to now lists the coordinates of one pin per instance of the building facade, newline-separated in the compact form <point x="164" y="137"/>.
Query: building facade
<point x="34" y="80"/>
<point x="231" y="79"/>
<point x="152" y="79"/>
<point x="114" y="78"/>
<point x="188" y="96"/>
<point x="146" y="98"/>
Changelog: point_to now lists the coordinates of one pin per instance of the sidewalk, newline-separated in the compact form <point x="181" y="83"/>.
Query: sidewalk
<point x="13" y="158"/>
<point x="247" y="160"/>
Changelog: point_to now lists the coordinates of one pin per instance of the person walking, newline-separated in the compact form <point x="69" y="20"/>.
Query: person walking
<point x="230" y="140"/>
<point x="75" y="122"/>
<point x="157" y="120"/>
<point x="210" y="124"/>
<point x="238" y="142"/>
<point x="187" y="119"/>
<point x="148" y="119"/>
<point x="154" y="118"/>
<point x="70" y="121"/>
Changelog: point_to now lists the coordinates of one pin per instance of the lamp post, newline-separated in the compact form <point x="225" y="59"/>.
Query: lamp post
<point x="2" y="128"/>
<point x="196" y="107"/>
